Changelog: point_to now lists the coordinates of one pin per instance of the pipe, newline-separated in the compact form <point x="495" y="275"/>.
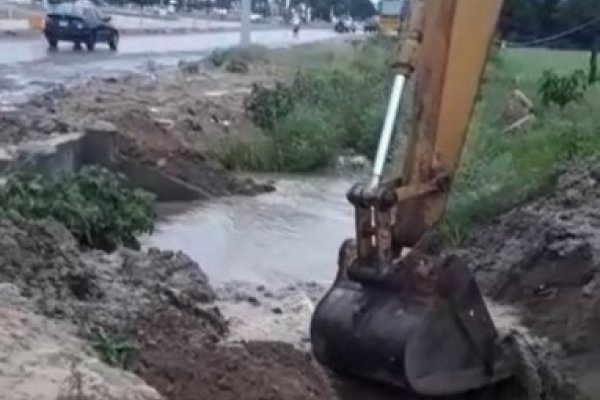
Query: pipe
<point x="387" y="131"/>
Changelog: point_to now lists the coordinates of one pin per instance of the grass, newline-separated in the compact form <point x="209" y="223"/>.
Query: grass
<point x="334" y="100"/>
<point x="500" y="170"/>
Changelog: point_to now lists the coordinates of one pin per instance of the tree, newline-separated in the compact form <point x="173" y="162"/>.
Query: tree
<point x="526" y="20"/>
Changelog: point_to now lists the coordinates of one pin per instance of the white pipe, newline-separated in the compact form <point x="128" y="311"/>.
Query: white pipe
<point x="388" y="130"/>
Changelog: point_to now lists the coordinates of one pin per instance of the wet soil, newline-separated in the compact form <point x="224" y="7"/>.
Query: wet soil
<point x="182" y="366"/>
<point x="544" y="258"/>
<point x="161" y="301"/>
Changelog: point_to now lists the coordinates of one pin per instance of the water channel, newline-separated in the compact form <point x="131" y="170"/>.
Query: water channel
<point x="279" y="238"/>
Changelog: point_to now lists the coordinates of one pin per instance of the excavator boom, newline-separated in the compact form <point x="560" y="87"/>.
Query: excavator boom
<point x="397" y="312"/>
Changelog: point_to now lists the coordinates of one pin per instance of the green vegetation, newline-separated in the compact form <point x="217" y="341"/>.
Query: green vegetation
<point x="237" y="59"/>
<point x="500" y="170"/>
<point x="116" y="351"/>
<point x="92" y="204"/>
<point x="562" y="89"/>
<point x="335" y="101"/>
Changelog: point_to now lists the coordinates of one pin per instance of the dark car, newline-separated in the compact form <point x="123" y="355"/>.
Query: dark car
<point x="79" y="23"/>
<point x="371" y="25"/>
<point x="345" y="25"/>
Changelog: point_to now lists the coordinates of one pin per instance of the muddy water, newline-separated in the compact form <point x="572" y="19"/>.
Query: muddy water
<point x="274" y="239"/>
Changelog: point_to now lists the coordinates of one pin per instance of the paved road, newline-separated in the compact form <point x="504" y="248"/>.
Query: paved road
<point x="20" y="51"/>
<point x="27" y="65"/>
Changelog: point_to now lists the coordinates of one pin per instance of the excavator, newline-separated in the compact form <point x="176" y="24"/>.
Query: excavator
<point x="401" y="311"/>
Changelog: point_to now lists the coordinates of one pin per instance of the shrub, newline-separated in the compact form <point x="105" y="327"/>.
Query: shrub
<point x="237" y="66"/>
<point x="303" y="141"/>
<point x="266" y="106"/>
<point x="92" y="204"/>
<point x="251" y="54"/>
<point x="562" y="90"/>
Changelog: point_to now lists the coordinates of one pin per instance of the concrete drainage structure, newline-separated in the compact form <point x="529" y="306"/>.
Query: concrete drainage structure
<point x="96" y="146"/>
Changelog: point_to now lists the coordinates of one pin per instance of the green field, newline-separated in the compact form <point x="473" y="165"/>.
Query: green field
<point x="500" y="170"/>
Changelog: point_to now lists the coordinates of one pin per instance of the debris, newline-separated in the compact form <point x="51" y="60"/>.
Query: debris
<point x="518" y="111"/>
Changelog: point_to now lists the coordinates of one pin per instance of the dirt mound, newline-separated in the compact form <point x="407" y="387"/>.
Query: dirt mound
<point x="42" y="360"/>
<point x="99" y="291"/>
<point x="182" y="366"/>
<point x="544" y="258"/>
<point x="171" y="121"/>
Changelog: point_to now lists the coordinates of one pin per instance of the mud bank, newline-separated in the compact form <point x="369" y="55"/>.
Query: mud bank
<point x="169" y="119"/>
<point x="160" y="301"/>
<point x="543" y="258"/>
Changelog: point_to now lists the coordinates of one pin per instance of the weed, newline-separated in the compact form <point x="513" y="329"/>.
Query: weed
<point x="93" y="204"/>
<point x="562" y="89"/>
<point x="116" y="351"/>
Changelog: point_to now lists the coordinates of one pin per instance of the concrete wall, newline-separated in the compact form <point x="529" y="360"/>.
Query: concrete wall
<point x="68" y="153"/>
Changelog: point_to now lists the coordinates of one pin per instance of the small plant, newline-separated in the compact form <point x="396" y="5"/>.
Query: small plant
<point x="266" y="107"/>
<point x="93" y="204"/>
<point x="237" y="66"/>
<point x="562" y="90"/>
<point x="115" y="351"/>
<point x="223" y="57"/>
<point x="218" y="57"/>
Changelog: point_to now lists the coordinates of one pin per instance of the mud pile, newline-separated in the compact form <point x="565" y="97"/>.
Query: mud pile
<point x="544" y="259"/>
<point x="172" y="120"/>
<point x="175" y="359"/>
<point x="42" y="360"/>
<point x="161" y="301"/>
<point x="97" y="291"/>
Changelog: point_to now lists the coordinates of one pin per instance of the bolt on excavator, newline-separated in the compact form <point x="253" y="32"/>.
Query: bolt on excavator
<point x="398" y="312"/>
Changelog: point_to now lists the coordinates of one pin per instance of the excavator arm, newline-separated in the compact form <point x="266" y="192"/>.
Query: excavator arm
<point x="455" y="38"/>
<point x="397" y="312"/>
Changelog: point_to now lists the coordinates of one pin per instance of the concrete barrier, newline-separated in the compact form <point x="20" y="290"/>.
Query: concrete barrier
<point x="96" y="146"/>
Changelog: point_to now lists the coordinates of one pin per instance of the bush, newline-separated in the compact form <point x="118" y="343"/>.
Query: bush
<point x="350" y="107"/>
<point x="92" y="204"/>
<point x="237" y="55"/>
<point x="266" y="107"/>
<point x="237" y="66"/>
<point x="562" y="90"/>
<point x="304" y="141"/>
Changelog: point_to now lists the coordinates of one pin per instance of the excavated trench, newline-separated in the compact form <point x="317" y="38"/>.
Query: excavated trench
<point x="537" y="265"/>
<point x="249" y="339"/>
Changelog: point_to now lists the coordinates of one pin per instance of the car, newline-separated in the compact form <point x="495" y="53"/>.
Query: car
<point x="345" y="25"/>
<point x="371" y="25"/>
<point x="79" y="22"/>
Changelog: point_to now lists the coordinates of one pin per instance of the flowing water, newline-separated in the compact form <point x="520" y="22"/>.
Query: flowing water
<point x="274" y="239"/>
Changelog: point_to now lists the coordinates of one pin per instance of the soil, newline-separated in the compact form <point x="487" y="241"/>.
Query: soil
<point x="177" y="362"/>
<point x="101" y="292"/>
<point x="42" y="360"/>
<point x="174" y="120"/>
<point x="544" y="258"/>
<point x="161" y="301"/>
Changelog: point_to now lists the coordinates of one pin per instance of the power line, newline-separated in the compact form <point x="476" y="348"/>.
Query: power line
<point x="557" y="36"/>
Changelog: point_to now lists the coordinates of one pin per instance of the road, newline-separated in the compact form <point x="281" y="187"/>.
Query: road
<point x="27" y="65"/>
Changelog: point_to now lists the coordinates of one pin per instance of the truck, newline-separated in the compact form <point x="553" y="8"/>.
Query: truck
<point x="392" y="15"/>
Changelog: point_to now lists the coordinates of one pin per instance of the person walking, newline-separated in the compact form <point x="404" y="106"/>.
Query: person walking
<point x="295" y="24"/>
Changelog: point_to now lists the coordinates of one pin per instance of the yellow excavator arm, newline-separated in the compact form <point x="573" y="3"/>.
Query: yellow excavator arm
<point x="398" y="312"/>
<point x="447" y="50"/>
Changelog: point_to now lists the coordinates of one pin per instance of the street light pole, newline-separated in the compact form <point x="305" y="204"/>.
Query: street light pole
<point x="245" y="28"/>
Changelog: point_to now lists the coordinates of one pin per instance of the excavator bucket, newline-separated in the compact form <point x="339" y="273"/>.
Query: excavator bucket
<point x="427" y="331"/>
